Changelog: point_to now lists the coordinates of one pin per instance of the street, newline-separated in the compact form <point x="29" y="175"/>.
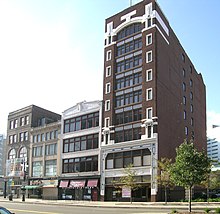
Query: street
<point x="24" y="208"/>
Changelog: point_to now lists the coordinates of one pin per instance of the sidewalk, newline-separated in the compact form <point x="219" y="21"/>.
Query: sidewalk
<point x="159" y="205"/>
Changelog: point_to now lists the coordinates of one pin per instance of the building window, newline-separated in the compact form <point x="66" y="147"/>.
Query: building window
<point x="82" y="122"/>
<point x="191" y="83"/>
<point x="191" y="95"/>
<point x="42" y="137"/>
<point x="15" y="138"/>
<point x="184" y="115"/>
<point x="129" y="63"/>
<point x="149" y="94"/>
<point x="26" y="120"/>
<point x="184" y="100"/>
<point x="191" y="108"/>
<point x="192" y="121"/>
<point x="129" y="30"/>
<point x="10" y="139"/>
<point x="38" y="138"/>
<point x="149" y="56"/>
<point x="129" y="46"/>
<point x="108" y="71"/>
<point x="37" y="151"/>
<point x="107" y="105"/>
<point x="51" y="168"/>
<point x="81" y="143"/>
<point x="34" y="138"/>
<point x="149" y="39"/>
<point x="129" y="98"/>
<point x="37" y="169"/>
<point x="127" y="135"/>
<point x="108" y="88"/>
<point x="107" y="122"/>
<point x="191" y="69"/>
<point x="183" y="57"/>
<point x="15" y="123"/>
<point x="149" y="75"/>
<point x="184" y="72"/>
<point x="12" y="124"/>
<point x="186" y="130"/>
<point x="12" y="154"/>
<point x="128" y="81"/>
<point x="51" y="149"/>
<point x="22" y="122"/>
<point x="108" y="55"/>
<point x="122" y="159"/>
<point x="23" y="152"/>
<point x="83" y="164"/>
<point x="184" y="86"/>
<point x="25" y="136"/>
<point x="149" y="22"/>
<point x="21" y="137"/>
<point x="149" y="113"/>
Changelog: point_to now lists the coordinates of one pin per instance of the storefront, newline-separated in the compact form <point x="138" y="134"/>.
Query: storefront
<point x="34" y="190"/>
<point x="50" y="189"/>
<point x="114" y="193"/>
<point x="86" y="189"/>
<point x="45" y="189"/>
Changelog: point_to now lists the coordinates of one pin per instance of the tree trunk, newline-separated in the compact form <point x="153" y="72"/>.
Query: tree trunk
<point x="190" y="199"/>
<point x="165" y="194"/>
<point x="131" y="197"/>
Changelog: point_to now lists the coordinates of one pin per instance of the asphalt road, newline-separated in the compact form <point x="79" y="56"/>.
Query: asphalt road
<point x="23" y="208"/>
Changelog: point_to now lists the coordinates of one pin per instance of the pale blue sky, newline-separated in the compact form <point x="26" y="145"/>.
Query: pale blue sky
<point x="47" y="46"/>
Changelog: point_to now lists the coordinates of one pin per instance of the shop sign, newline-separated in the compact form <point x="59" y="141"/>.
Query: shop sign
<point x="126" y="192"/>
<point x="15" y="167"/>
<point x="50" y="183"/>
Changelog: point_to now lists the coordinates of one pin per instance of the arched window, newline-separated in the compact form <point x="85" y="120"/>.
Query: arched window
<point x="129" y="30"/>
<point x="23" y="152"/>
<point x="12" y="154"/>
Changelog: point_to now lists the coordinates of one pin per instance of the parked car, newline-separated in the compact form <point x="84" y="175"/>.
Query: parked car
<point x="3" y="210"/>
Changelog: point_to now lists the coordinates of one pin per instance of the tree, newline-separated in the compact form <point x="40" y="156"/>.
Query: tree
<point x="127" y="181"/>
<point x="163" y="178"/>
<point x="214" y="180"/>
<point x="190" y="168"/>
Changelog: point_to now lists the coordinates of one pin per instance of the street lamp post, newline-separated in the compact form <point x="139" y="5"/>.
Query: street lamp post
<point x="5" y="187"/>
<point x="23" y="184"/>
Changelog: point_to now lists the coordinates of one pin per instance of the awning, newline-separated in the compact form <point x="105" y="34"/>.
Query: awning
<point x="77" y="184"/>
<point x="92" y="183"/>
<point x="33" y="187"/>
<point x="64" y="184"/>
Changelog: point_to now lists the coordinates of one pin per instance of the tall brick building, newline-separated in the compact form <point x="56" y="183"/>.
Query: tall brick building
<point x="153" y="97"/>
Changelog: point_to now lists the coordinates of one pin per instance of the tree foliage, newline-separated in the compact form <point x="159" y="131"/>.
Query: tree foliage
<point x="190" y="168"/>
<point x="163" y="178"/>
<point x="214" y="180"/>
<point x="128" y="180"/>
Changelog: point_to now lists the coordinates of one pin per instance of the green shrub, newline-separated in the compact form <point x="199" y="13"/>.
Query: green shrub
<point x="217" y="210"/>
<point x="174" y="211"/>
<point x="207" y="210"/>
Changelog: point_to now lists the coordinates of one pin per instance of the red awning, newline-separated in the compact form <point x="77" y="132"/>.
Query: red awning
<point x="92" y="183"/>
<point x="77" y="184"/>
<point x="64" y="184"/>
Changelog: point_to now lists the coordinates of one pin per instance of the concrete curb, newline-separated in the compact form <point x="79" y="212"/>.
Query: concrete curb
<point x="134" y="205"/>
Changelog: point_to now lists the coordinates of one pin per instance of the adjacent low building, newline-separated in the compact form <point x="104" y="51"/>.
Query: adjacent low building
<point x="18" y="143"/>
<point x="80" y="156"/>
<point x="44" y="161"/>
<point x="213" y="147"/>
